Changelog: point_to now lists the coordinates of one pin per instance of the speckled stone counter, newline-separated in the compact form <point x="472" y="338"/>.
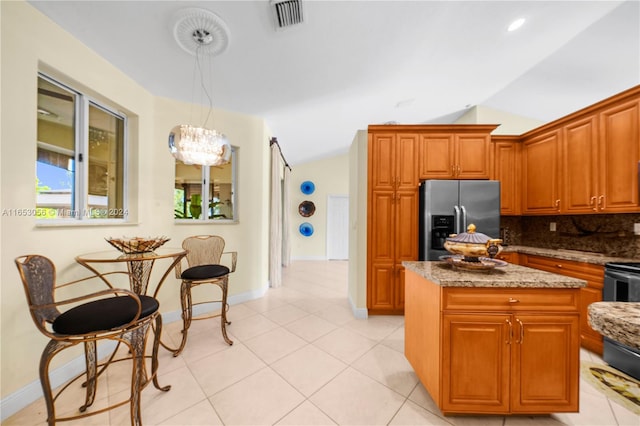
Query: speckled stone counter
<point x="575" y="255"/>
<point x="619" y="321"/>
<point x="445" y="275"/>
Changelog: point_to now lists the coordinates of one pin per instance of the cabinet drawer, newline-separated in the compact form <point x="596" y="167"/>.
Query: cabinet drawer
<point x="593" y="274"/>
<point x="511" y="257"/>
<point x="510" y="299"/>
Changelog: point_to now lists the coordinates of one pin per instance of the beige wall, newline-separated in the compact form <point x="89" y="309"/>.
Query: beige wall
<point x="357" y="288"/>
<point x="31" y="42"/>
<point x="509" y="124"/>
<point x="331" y="177"/>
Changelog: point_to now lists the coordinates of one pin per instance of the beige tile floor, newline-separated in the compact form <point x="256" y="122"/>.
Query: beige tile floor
<point x="300" y="358"/>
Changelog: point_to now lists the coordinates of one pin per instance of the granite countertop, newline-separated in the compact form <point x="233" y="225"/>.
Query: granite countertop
<point x="445" y="275"/>
<point x="575" y="255"/>
<point x="619" y="321"/>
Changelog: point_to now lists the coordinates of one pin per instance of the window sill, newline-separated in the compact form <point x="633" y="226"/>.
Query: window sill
<point x="205" y="222"/>
<point x="83" y="223"/>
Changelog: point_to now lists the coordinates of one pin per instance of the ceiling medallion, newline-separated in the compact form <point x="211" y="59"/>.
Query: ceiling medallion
<point x="201" y="30"/>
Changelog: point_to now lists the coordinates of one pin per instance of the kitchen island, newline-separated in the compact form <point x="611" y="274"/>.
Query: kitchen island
<point x="619" y="321"/>
<point x="504" y="341"/>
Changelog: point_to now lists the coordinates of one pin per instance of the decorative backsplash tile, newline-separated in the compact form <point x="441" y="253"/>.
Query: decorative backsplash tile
<point x="609" y="234"/>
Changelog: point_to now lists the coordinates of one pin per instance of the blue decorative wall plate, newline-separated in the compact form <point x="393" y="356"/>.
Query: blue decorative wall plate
<point x="306" y="229"/>
<point x="307" y="187"/>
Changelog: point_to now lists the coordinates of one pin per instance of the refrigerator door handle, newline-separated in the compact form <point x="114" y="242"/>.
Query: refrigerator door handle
<point x="456" y="219"/>
<point x="464" y="219"/>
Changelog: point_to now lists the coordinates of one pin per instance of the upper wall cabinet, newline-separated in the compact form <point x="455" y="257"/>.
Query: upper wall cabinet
<point x="619" y="158"/>
<point x="600" y="161"/>
<point x="586" y="162"/>
<point x="455" y="152"/>
<point x="579" y="153"/>
<point x="507" y="152"/>
<point x="540" y="174"/>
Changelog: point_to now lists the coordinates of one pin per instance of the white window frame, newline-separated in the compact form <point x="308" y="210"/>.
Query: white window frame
<point x="80" y="212"/>
<point x="206" y="179"/>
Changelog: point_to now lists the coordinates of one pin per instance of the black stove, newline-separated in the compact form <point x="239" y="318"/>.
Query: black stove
<point x="624" y="266"/>
<point x="622" y="284"/>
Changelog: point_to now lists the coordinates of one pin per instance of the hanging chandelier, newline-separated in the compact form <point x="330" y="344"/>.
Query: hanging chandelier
<point x="198" y="145"/>
<point x="200" y="32"/>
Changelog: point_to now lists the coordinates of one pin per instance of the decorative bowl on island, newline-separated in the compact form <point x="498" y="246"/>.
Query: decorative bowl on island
<point x="473" y="245"/>
<point x="137" y="244"/>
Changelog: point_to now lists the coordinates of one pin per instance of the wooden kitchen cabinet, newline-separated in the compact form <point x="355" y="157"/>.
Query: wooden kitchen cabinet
<point x="510" y="257"/>
<point x="507" y="153"/>
<point x="601" y="152"/>
<point x="586" y="162"/>
<point x="482" y="350"/>
<point x="593" y="274"/>
<point x="392" y="218"/>
<point x="398" y="158"/>
<point x="580" y="152"/>
<point x="619" y="158"/>
<point x="455" y="152"/>
<point x="476" y="363"/>
<point x="545" y="363"/>
<point x="491" y="363"/>
<point x="540" y="174"/>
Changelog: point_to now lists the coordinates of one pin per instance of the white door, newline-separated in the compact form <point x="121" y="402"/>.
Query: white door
<point x="338" y="227"/>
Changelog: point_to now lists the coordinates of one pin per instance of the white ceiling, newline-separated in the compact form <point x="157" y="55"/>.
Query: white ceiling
<point x="355" y="63"/>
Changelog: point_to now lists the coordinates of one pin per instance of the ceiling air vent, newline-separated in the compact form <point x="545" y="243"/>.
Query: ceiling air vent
<point x="287" y="12"/>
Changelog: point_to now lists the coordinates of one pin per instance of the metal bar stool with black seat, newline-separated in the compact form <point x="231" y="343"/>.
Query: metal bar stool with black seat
<point x="204" y="254"/>
<point x="117" y="315"/>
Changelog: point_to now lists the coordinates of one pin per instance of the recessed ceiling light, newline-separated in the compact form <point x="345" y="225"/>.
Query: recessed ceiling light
<point x="516" y="24"/>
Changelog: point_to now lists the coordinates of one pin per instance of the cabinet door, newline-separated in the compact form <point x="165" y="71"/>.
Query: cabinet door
<point x="398" y="302"/>
<point x="620" y="154"/>
<point x="507" y="158"/>
<point x="545" y="364"/>
<point x="475" y="363"/>
<point x="540" y="174"/>
<point x="589" y="338"/>
<point x="406" y="241"/>
<point x="473" y="157"/>
<point x="381" y="290"/>
<point x="579" y="164"/>
<point x="406" y="161"/>
<point x="406" y="225"/>
<point x="382" y="161"/>
<point x="436" y="154"/>
<point x="381" y="225"/>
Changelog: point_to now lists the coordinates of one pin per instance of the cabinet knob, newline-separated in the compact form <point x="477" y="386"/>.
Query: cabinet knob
<point x="510" y="339"/>
<point x="592" y="202"/>
<point x="512" y="300"/>
<point x="558" y="266"/>
<point x="558" y="204"/>
<point x="601" y="202"/>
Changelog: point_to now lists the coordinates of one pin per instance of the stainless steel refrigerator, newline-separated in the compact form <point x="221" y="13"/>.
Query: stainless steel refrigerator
<point x="449" y="206"/>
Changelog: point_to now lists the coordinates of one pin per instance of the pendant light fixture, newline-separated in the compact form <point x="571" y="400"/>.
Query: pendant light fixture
<point x="203" y="34"/>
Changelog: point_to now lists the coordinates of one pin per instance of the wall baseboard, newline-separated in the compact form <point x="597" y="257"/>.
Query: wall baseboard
<point x="33" y="391"/>
<point x="359" y="313"/>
